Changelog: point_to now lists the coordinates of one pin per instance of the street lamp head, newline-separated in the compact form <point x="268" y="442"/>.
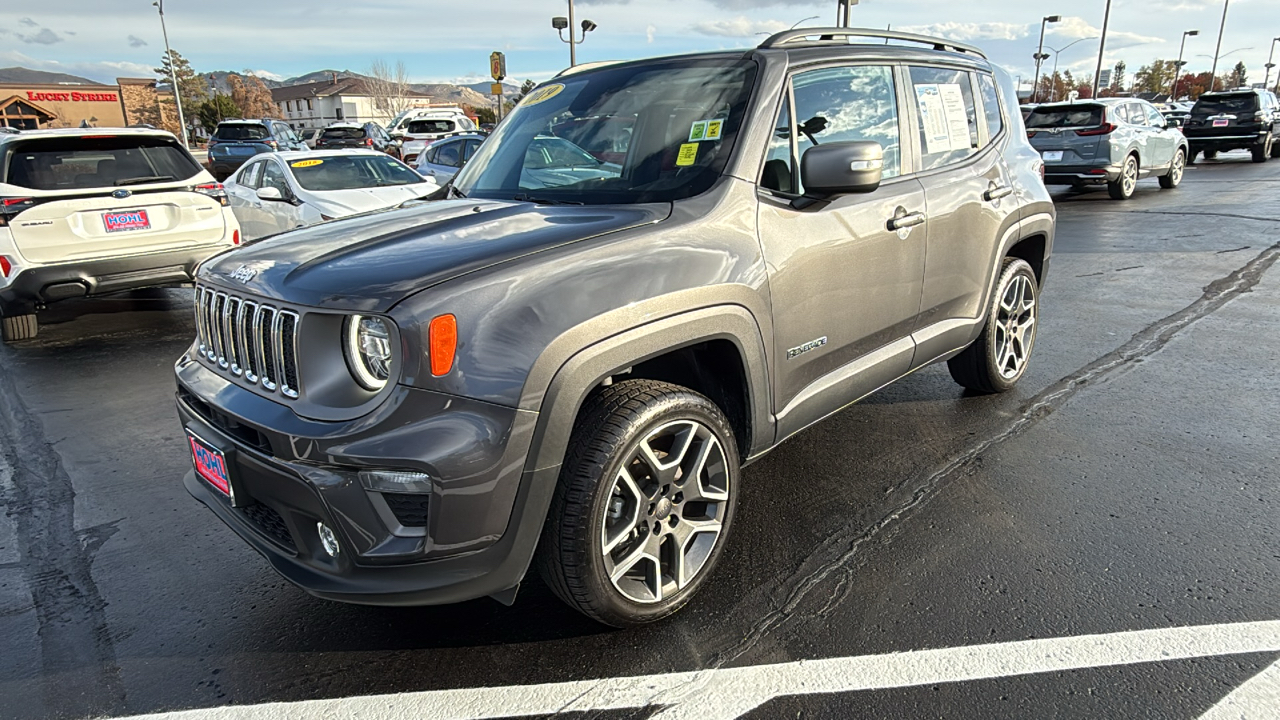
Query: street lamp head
<point x="1053" y="18"/>
<point x="559" y="23"/>
<point x="588" y="26"/>
<point x="1191" y="33"/>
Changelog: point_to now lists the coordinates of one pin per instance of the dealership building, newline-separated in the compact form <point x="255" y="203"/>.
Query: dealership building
<point x="130" y="101"/>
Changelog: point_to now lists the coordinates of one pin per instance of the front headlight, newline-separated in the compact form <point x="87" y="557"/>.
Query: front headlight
<point x="368" y="350"/>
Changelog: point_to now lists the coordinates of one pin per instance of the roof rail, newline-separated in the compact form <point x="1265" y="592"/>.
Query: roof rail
<point x="830" y="34"/>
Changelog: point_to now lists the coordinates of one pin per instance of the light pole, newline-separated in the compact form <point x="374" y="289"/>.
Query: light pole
<point x="1040" y="56"/>
<point x="843" y="12"/>
<point x="1056" y="52"/>
<point x="1223" y="55"/>
<point x="1213" y="74"/>
<point x="1102" y="47"/>
<point x="1266" y="81"/>
<point x="560" y="23"/>
<point x="1177" y="68"/>
<point x="173" y="73"/>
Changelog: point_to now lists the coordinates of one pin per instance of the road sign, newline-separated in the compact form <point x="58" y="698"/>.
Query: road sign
<point x="498" y="66"/>
<point x="1104" y="79"/>
<point x="495" y="89"/>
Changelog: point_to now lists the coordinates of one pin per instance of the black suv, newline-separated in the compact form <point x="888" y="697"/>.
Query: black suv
<point x="368" y="135"/>
<point x="235" y="141"/>
<point x="566" y="360"/>
<point x="1243" y="119"/>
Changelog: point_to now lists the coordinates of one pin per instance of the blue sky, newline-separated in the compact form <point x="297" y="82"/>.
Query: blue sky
<point x="450" y="40"/>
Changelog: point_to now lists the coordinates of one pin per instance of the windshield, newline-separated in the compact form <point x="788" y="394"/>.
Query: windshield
<point x="1061" y="117"/>
<point x="95" y="161"/>
<point x="349" y="173"/>
<point x="343" y="133"/>
<point x="430" y="126"/>
<point x="241" y="132"/>
<point x="645" y="132"/>
<point x="1214" y="104"/>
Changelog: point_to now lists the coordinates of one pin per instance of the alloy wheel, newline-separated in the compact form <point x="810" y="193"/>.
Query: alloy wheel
<point x="1129" y="176"/>
<point x="666" y="511"/>
<point x="1179" y="164"/>
<point x="1015" y="326"/>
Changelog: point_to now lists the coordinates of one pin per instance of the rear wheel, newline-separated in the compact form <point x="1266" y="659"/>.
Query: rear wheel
<point x="20" y="327"/>
<point x="1210" y="154"/>
<point x="1275" y="148"/>
<point x="999" y="357"/>
<point x="1262" y="151"/>
<point x="1170" y="180"/>
<point x="1122" y="187"/>
<point x="644" y="503"/>
<point x="1191" y="156"/>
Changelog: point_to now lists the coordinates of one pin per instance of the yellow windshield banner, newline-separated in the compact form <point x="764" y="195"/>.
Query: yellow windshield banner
<point x="305" y="163"/>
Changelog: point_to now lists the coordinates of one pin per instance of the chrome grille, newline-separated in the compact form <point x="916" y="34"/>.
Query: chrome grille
<point x="249" y="340"/>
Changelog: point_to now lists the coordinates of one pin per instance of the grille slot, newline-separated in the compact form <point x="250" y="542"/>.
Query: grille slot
<point x="410" y="510"/>
<point x="271" y="524"/>
<point x="249" y="339"/>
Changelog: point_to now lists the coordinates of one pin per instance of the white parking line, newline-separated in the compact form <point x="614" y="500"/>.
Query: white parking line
<point x="1257" y="699"/>
<point x="727" y="693"/>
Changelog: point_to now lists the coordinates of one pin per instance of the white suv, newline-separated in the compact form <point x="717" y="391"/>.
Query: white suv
<point x="90" y="212"/>
<point x="417" y="129"/>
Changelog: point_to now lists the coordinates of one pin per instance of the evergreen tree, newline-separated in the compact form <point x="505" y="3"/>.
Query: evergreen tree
<point x="216" y="109"/>
<point x="192" y="87"/>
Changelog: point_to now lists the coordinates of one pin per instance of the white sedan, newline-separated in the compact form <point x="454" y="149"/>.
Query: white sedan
<point x="281" y="191"/>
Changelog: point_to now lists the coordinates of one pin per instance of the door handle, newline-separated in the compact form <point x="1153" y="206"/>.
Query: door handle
<point x="996" y="192"/>
<point x="906" y="221"/>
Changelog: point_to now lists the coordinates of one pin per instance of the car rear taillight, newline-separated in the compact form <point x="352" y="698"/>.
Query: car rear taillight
<point x="273" y="144"/>
<point x="235" y="237"/>
<point x="1104" y="129"/>
<point x="6" y="266"/>
<point x="10" y="206"/>
<point x="215" y="191"/>
<point x="1031" y="134"/>
<point x="368" y="142"/>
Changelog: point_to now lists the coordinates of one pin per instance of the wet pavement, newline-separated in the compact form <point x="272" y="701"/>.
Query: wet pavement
<point x="1127" y="484"/>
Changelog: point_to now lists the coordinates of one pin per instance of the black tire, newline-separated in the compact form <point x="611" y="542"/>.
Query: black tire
<point x="1210" y="154"/>
<point x="1275" y="148"/>
<point x="610" y="427"/>
<point x="1120" y="189"/>
<point x="1173" y="178"/>
<point x="977" y="367"/>
<point x="20" y="327"/>
<point x="1191" y="156"/>
<point x="1262" y="151"/>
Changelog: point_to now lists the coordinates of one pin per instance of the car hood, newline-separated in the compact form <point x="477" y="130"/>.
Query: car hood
<point x="341" y="203"/>
<point x="370" y="262"/>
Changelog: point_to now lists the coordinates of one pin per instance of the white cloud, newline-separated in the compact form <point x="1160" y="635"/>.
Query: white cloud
<point x="135" y="41"/>
<point x="971" y="31"/>
<point x="738" y="27"/>
<point x="103" y="72"/>
<point x="649" y="32"/>
<point x="1075" y="28"/>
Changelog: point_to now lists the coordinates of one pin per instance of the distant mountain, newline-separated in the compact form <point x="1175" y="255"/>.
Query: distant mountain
<point x="39" y="77"/>
<point x="509" y="88"/>
<point x="318" y="76"/>
<point x="476" y="95"/>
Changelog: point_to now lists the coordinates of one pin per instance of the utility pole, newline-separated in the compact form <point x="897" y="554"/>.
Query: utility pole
<point x="1102" y="47"/>
<point x="1177" y="68"/>
<point x="1040" y="56"/>
<point x="1213" y="74"/>
<point x="173" y="74"/>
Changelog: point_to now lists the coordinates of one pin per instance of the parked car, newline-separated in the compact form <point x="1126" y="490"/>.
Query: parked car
<point x="461" y="121"/>
<point x="1116" y="141"/>
<point x="413" y="407"/>
<point x="289" y="190"/>
<point x="357" y="135"/>
<point x="310" y="136"/>
<point x="91" y="212"/>
<point x="417" y="133"/>
<point x="444" y="158"/>
<point x="1177" y="112"/>
<point x="1243" y="119"/>
<point x="235" y="141"/>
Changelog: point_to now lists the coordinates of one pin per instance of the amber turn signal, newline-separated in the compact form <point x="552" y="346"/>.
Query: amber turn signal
<point x="443" y="339"/>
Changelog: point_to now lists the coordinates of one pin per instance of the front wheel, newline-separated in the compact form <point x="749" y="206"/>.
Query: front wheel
<point x="1171" y="179"/>
<point x="1122" y="187"/>
<point x="644" y="503"/>
<point x="999" y="357"/>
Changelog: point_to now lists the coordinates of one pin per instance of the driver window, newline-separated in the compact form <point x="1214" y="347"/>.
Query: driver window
<point x="273" y="176"/>
<point x="847" y="104"/>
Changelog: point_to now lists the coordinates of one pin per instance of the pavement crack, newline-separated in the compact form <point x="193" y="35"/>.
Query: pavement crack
<point x="57" y="564"/>
<point x="832" y="557"/>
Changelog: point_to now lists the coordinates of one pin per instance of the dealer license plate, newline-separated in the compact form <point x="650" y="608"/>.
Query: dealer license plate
<point x="1053" y="156"/>
<point x="210" y="464"/>
<point x="127" y="220"/>
<point x="1221" y="122"/>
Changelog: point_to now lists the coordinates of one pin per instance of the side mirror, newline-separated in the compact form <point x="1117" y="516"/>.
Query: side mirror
<point x="1171" y="123"/>
<point x="841" y="168"/>
<point x="270" y="193"/>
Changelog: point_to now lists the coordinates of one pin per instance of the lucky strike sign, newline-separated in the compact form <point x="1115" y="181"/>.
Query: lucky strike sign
<point x="71" y="97"/>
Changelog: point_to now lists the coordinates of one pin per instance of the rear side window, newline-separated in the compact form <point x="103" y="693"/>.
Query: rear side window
<point x="1231" y="103"/>
<point x="430" y="126"/>
<point x="947" y="118"/>
<point x="448" y="155"/>
<point x="343" y="133"/>
<point x="241" y="131"/>
<point x="94" y="162"/>
<point x="249" y="175"/>
<point x="1068" y="116"/>
<point x="990" y="104"/>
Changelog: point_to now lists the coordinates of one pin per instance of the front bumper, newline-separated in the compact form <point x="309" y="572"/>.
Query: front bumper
<point x="43" y="284"/>
<point x="483" y="521"/>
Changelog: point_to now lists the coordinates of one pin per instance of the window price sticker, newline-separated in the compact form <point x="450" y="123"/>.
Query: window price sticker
<point x="688" y="154"/>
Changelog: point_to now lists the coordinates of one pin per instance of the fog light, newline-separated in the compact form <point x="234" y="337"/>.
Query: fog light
<point x="327" y="539"/>
<point x="396" y="481"/>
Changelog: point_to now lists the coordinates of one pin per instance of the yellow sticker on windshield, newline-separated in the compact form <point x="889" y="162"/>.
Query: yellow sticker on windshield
<point x="714" y="128"/>
<point x="542" y="94"/>
<point x="305" y="163"/>
<point x="688" y="153"/>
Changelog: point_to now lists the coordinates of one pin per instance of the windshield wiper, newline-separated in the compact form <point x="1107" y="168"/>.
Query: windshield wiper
<point x="145" y="179"/>
<point x="454" y="190"/>
<point x="522" y="197"/>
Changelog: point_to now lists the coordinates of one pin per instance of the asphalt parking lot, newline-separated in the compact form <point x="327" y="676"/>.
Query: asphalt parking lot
<point x="1100" y="542"/>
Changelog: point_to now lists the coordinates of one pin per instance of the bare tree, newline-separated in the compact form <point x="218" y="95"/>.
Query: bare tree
<point x="388" y="87"/>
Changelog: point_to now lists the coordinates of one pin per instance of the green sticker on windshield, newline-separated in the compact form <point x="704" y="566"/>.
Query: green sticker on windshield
<point x="542" y="94"/>
<point x="698" y="131"/>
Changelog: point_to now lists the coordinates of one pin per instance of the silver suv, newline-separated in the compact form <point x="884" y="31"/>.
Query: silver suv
<point x="568" y="357"/>
<point x="1116" y="141"/>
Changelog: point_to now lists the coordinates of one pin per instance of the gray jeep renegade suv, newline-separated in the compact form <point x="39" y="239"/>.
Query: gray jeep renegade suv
<point x="567" y="358"/>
